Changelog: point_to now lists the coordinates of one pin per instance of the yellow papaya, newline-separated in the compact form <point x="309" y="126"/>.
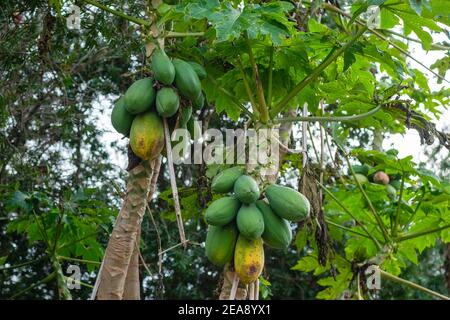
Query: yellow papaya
<point x="147" y="135"/>
<point x="248" y="259"/>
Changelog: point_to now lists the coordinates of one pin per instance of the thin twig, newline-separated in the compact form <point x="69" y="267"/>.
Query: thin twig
<point x="234" y="286"/>
<point x="173" y="183"/>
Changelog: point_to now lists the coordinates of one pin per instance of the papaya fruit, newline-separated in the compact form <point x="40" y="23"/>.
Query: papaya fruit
<point x="361" y="169"/>
<point x="121" y="119"/>
<point x="362" y="179"/>
<point x="147" y="135"/>
<point x="246" y="189"/>
<point x="396" y="184"/>
<point x="381" y="178"/>
<point x="248" y="259"/>
<point x="277" y="231"/>
<point x="224" y="181"/>
<point x="185" y="115"/>
<point x="199" y="103"/>
<point x="199" y="69"/>
<point x="162" y="67"/>
<point x="287" y="203"/>
<point x="220" y="243"/>
<point x="140" y="96"/>
<point x="250" y="221"/>
<point x="167" y="102"/>
<point x="194" y="128"/>
<point x="391" y="191"/>
<point x="186" y="80"/>
<point x="222" y="211"/>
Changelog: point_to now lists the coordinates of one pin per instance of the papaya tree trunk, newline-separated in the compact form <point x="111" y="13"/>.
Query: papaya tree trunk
<point x="132" y="290"/>
<point x="122" y="242"/>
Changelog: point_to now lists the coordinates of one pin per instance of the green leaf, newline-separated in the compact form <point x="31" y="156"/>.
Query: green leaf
<point x="300" y="239"/>
<point x="388" y="20"/>
<point x="315" y="26"/>
<point x="20" y="200"/>
<point x="3" y="260"/>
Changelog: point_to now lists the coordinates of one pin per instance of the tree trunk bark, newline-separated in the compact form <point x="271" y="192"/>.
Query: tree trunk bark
<point x="132" y="290"/>
<point x="122" y="242"/>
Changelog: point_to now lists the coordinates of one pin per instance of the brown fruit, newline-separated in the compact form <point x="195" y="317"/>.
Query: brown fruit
<point x="381" y="178"/>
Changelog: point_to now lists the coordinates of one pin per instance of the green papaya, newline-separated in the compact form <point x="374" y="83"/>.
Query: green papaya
<point x="162" y="67"/>
<point x="194" y="128"/>
<point x="167" y="102"/>
<point x="185" y="115"/>
<point x="222" y="211"/>
<point x="186" y="79"/>
<point x="121" y="119"/>
<point x="246" y="189"/>
<point x="140" y="96"/>
<point x="224" y="181"/>
<point x="287" y="203"/>
<point x="199" y="69"/>
<point x="220" y="243"/>
<point x="396" y="184"/>
<point x="361" y="169"/>
<point x="147" y="135"/>
<point x="362" y="179"/>
<point x="199" y="103"/>
<point x="277" y="231"/>
<point x="391" y="191"/>
<point x="250" y="221"/>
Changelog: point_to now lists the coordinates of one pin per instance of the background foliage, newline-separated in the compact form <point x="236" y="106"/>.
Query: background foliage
<point x="61" y="185"/>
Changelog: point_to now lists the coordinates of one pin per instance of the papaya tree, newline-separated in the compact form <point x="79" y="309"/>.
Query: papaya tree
<point x="311" y="79"/>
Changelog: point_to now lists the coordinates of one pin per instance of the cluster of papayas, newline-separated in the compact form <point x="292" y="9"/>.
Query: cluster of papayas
<point x="137" y="114"/>
<point x="249" y="220"/>
<point x="363" y="176"/>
